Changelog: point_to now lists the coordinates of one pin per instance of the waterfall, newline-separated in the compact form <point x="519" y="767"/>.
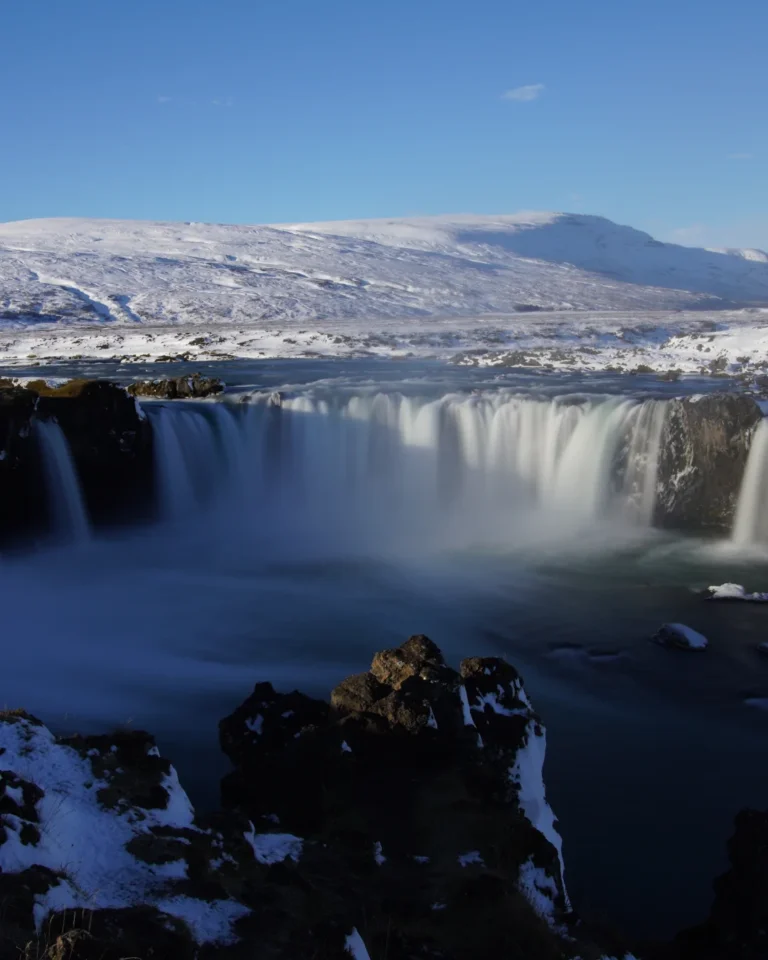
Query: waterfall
<point x="751" y="521"/>
<point x="331" y="461"/>
<point x="69" y="514"/>
<point x="197" y="453"/>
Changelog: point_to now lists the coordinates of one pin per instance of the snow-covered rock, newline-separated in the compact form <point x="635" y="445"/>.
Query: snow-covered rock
<point x="423" y="838"/>
<point x="681" y="637"/>
<point x="439" y="799"/>
<point x="105" y="821"/>
<point x="735" y="591"/>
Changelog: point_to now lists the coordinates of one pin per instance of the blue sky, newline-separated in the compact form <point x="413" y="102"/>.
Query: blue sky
<point x="653" y="113"/>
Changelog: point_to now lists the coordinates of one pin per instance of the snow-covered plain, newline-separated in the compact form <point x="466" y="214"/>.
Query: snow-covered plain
<point x="566" y="290"/>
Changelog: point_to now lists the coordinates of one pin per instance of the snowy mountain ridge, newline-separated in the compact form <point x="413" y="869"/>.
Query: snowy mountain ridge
<point x="448" y="266"/>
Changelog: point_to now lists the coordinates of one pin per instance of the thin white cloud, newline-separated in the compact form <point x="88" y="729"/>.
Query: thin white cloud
<point x="740" y="156"/>
<point x="164" y="99"/>
<point x="744" y="235"/>
<point x="531" y="91"/>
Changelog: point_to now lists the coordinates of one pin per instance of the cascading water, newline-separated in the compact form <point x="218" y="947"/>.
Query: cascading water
<point x="70" y="517"/>
<point x="460" y="463"/>
<point x="751" y="521"/>
<point x="197" y="452"/>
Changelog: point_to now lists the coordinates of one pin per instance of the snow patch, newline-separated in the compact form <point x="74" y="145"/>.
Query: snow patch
<point x="681" y="636"/>
<point x="355" y="947"/>
<point x="255" y="724"/>
<point x="101" y="873"/>
<point x="269" y="848"/>
<point x="466" y="859"/>
<point x="539" y="889"/>
<point x="527" y="775"/>
<point x="734" y="591"/>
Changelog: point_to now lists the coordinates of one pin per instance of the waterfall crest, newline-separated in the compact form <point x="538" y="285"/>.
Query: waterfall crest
<point x="68" y="510"/>
<point x="412" y="462"/>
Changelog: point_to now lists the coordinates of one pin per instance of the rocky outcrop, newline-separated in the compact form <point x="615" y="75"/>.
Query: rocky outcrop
<point x="737" y="928"/>
<point x="678" y="636"/>
<point x="111" y="445"/>
<point x="426" y="784"/>
<point x="194" y="387"/>
<point x="22" y="490"/>
<point x="703" y="455"/>
<point x="407" y="818"/>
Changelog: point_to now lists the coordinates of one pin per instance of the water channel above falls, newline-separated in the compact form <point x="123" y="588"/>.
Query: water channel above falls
<point x="383" y="499"/>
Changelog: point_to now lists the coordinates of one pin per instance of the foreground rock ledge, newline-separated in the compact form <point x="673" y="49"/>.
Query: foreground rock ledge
<point x="405" y="819"/>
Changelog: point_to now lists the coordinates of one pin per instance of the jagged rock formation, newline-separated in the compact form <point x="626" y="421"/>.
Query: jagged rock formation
<point x="194" y="387"/>
<point x="704" y="448"/>
<point x="405" y="819"/>
<point x="737" y="928"/>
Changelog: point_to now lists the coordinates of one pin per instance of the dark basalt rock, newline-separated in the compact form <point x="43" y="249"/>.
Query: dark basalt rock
<point x="704" y="449"/>
<point x="408" y="812"/>
<point x="737" y="928"/>
<point x="116" y="935"/>
<point x="22" y="492"/>
<point x="111" y="444"/>
<point x="194" y="387"/>
<point x="404" y="794"/>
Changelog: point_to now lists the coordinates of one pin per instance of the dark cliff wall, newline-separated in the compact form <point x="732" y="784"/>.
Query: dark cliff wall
<point x="704" y="450"/>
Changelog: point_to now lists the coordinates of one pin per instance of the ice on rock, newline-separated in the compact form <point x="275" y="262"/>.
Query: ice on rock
<point x="272" y="848"/>
<point x="528" y="775"/>
<point x="735" y="591"/>
<point x="539" y="889"/>
<point x="681" y="637"/>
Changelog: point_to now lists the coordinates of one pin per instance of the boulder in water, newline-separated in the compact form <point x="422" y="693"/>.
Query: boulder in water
<point x="734" y="591"/>
<point x="680" y="637"/>
<point x="426" y="830"/>
<point x="426" y="784"/>
<point x="193" y="387"/>
<point x="703" y="455"/>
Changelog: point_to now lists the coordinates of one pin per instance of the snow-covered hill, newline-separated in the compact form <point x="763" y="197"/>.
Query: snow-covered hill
<point x="76" y="287"/>
<point x="357" y="270"/>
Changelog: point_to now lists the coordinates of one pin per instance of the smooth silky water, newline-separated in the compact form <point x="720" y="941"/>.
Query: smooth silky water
<point x="500" y="513"/>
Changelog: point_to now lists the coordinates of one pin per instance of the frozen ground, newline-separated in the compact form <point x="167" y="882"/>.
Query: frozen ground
<point x="539" y="288"/>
